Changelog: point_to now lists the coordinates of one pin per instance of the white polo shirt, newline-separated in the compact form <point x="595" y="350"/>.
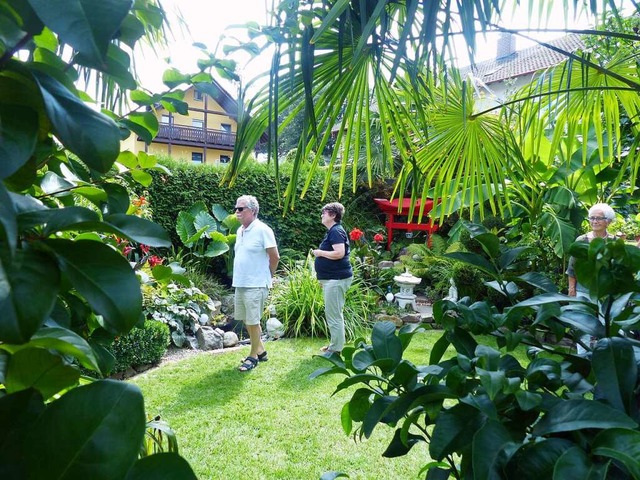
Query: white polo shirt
<point x="251" y="261"/>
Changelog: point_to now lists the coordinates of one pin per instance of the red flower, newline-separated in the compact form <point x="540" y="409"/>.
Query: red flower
<point x="378" y="238"/>
<point x="356" y="234"/>
<point x="144" y="248"/>
<point x="154" y="260"/>
<point x="127" y="250"/>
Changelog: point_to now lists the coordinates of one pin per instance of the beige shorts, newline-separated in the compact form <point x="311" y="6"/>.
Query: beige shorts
<point x="249" y="304"/>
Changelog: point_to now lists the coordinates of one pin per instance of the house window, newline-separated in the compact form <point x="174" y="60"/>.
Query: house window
<point x="196" y="157"/>
<point x="225" y="158"/>
<point x="226" y="127"/>
<point x="197" y="123"/>
<point x="166" y="120"/>
<point x="198" y="96"/>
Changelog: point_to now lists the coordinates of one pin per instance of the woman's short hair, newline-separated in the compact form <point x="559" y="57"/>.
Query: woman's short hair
<point x="606" y="210"/>
<point x="336" y="209"/>
<point x="251" y="203"/>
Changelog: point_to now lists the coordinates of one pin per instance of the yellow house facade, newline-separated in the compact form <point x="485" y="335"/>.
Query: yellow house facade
<point x="206" y="135"/>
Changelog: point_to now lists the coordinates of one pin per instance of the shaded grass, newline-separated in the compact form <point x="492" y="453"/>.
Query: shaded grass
<point x="273" y="422"/>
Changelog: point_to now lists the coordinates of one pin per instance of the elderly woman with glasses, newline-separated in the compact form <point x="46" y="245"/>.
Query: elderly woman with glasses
<point x="600" y="216"/>
<point x="334" y="273"/>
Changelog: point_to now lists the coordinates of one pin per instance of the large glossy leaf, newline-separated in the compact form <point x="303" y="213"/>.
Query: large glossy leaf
<point x="204" y="219"/>
<point x="397" y="447"/>
<point x="54" y="184"/>
<point x="622" y="445"/>
<point x="489" y="444"/>
<point x="8" y="222"/>
<point x="94" y="137"/>
<point x="560" y="231"/>
<point x="616" y="370"/>
<point x="117" y="198"/>
<point x="39" y="369"/>
<point x="116" y="65"/>
<point x="139" y="230"/>
<point x="161" y="466"/>
<point x="28" y="290"/>
<point x="362" y="360"/>
<point x="184" y="226"/>
<point x="18" y="412"/>
<point x="97" y="430"/>
<point x="58" y="219"/>
<point x="104" y="278"/>
<point x="86" y="25"/>
<point x="215" y="249"/>
<point x="510" y="255"/>
<point x="575" y="463"/>
<point x="540" y="281"/>
<point x="375" y="414"/>
<point x="493" y="382"/>
<point x="60" y="339"/>
<point x="454" y="430"/>
<point x="145" y="125"/>
<point x="475" y="260"/>
<point x="18" y="130"/>
<point x="537" y="460"/>
<point x="385" y="342"/>
<point x="570" y="415"/>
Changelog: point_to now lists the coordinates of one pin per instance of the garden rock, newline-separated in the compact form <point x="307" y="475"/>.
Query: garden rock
<point x="192" y="342"/>
<point x="203" y="319"/>
<point x="209" y="338"/>
<point x="383" y="317"/>
<point x="384" y="264"/>
<point x="411" y="318"/>
<point x="227" y="304"/>
<point x="229" y="339"/>
<point x="275" y="328"/>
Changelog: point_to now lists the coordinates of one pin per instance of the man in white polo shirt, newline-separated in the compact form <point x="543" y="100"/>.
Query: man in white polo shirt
<point x="255" y="262"/>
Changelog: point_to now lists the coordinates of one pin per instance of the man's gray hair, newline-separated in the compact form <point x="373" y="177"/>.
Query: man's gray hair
<point x="251" y="202"/>
<point x="605" y="209"/>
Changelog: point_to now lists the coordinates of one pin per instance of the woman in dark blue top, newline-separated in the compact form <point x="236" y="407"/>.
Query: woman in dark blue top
<point x="334" y="273"/>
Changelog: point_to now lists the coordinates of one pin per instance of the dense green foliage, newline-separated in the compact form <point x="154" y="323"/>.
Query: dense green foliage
<point x="140" y="346"/>
<point x="187" y="184"/>
<point x="66" y="291"/>
<point x="483" y="413"/>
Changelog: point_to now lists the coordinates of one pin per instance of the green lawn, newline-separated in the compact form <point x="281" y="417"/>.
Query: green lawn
<point x="273" y="422"/>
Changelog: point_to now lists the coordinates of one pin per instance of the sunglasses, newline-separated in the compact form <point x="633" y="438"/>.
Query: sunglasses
<point x="238" y="209"/>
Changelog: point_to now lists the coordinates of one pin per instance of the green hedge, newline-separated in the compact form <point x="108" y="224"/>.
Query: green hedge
<point x="141" y="346"/>
<point x="299" y="229"/>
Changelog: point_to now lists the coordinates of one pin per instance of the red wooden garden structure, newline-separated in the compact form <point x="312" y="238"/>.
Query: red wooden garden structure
<point x="390" y="208"/>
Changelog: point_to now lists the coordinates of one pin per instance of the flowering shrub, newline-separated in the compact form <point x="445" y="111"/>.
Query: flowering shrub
<point x="356" y="234"/>
<point x="154" y="260"/>
<point x="362" y="248"/>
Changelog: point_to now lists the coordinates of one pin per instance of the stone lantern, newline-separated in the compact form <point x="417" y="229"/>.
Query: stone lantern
<point x="406" y="282"/>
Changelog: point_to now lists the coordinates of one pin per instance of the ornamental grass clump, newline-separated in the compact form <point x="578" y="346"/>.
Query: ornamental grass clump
<point x="300" y="305"/>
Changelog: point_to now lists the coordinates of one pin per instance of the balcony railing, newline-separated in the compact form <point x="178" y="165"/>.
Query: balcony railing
<point x="184" y="135"/>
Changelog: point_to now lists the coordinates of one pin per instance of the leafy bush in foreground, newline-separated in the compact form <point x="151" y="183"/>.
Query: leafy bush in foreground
<point x="485" y="415"/>
<point x="65" y="292"/>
